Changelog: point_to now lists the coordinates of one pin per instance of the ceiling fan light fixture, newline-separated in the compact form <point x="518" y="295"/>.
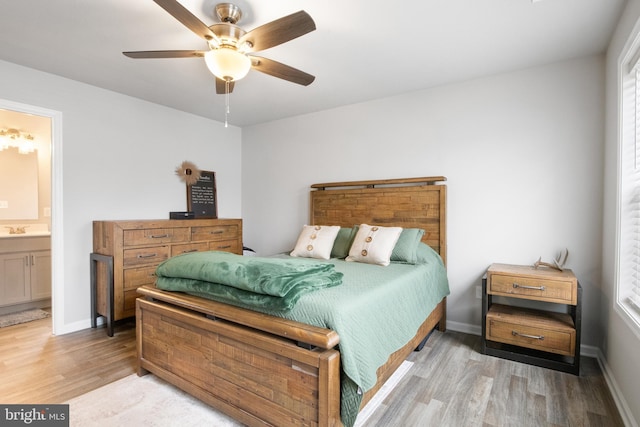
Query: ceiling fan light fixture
<point x="227" y="63"/>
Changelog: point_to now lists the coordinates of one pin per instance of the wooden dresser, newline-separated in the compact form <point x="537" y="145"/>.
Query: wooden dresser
<point x="548" y="337"/>
<point x="126" y="254"/>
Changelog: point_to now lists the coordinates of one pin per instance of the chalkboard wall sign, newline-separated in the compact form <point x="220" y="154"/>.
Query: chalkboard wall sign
<point x="201" y="196"/>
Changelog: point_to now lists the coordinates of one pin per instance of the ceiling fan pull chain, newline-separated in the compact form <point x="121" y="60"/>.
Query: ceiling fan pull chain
<point x="226" y="102"/>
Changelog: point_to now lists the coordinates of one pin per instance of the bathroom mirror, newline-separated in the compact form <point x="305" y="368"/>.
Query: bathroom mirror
<point x="18" y="185"/>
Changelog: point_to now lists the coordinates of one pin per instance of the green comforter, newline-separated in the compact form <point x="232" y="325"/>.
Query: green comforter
<point x="267" y="283"/>
<point x="375" y="311"/>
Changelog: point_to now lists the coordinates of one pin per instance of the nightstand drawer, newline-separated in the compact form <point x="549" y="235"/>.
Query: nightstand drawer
<point x="528" y="282"/>
<point x="532" y="288"/>
<point x="535" y="329"/>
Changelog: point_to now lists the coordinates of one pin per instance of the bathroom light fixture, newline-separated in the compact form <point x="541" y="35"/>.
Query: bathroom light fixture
<point x="14" y="138"/>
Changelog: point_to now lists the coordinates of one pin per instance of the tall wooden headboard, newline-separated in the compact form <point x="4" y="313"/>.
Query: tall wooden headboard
<point x="408" y="203"/>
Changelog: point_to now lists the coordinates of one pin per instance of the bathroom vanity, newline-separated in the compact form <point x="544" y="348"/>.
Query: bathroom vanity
<point x="25" y="271"/>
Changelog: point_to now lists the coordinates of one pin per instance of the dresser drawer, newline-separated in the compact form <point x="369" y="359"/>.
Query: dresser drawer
<point x="189" y="247"/>
<point x="227" y="246"/>
<point x="144" y="256"/>
<point x="152" y="236"/>
<point x="535" y="329"/>
<point x="219" y="232"/>
<point x="130" y="302"/>
<point x="135" y="277"/>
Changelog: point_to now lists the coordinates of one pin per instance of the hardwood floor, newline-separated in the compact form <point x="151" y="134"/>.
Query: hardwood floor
<point x="453" y="384"/>
<point x="450" y="384"/>
<point x="37" y="367"/>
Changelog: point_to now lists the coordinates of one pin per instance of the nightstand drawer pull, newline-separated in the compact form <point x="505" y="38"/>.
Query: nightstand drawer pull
<point x="535" y="288"/>
<point x="159" y="236"/>
<point x="216" y="232"/>
<point x="534" y="337"/>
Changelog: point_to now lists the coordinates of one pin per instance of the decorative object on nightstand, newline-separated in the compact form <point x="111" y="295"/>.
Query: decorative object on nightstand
<point x="531" y="335"/>
<point x="557" y="263"/>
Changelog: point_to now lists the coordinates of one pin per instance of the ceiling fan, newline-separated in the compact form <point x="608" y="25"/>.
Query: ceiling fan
<point x="229" y="55"/>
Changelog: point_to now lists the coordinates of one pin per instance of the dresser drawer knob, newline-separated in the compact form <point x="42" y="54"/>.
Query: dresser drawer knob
<point x="216" y="232"/>
<point x="189" y="250"/>
<point x="533" y="337"/>
<point x="158" y="236"/>
<point x="535" y="288"/>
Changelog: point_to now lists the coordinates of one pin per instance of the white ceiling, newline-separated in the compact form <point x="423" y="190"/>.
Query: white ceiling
<point x="361" y="50"/>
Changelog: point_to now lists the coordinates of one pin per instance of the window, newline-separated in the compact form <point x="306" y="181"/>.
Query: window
<point x="628" y="285"/>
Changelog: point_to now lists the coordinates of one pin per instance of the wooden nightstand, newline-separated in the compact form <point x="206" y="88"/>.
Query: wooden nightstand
<point x="530" y="335"/>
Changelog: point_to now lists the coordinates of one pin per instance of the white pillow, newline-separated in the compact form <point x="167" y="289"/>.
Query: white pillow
<point x="315" y="241"/>
<point x="374" y="244"/>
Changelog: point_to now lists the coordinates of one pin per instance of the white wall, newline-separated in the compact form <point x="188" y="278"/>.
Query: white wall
<point x="620" y="345"/>
<point x="119" y="155"/>
<point x="522" y="153"/>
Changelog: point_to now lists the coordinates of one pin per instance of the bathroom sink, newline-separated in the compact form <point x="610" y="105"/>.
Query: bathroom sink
<point x="30" y="230"/>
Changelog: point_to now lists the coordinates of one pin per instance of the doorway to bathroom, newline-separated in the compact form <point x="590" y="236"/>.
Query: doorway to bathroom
<point x="30" y="211"/>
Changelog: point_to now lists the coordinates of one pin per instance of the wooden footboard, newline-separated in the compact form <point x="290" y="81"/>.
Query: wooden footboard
<point x="257" y="378"/>
<point x="248" y="365"/>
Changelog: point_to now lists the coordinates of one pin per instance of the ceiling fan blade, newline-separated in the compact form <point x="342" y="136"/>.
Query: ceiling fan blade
<point x="188" y="19"/>
<point x="281" y="71"/>
<point x="277" y="32"/>
<point x="145" y="54"/>
<point x="221" y="88"/>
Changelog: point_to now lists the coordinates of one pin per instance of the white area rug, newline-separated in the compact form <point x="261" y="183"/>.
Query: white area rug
<point x="150" y="401"/>
<point x="22" y="317"/>
<point x="143" y="401"/>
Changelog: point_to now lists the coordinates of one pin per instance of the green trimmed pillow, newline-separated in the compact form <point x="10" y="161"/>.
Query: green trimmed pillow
<point x="407" y="246"/>
<point x="343" y="242"/>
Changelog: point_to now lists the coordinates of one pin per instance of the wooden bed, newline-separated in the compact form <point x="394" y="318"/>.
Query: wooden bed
<point x="264" y="370"/>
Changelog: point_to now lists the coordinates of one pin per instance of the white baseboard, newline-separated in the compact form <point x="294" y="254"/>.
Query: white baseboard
<point x="78" y="326"/>
<point x="585" y="350"/>
<point x="618" y="398"/>
<point x="465" y="328"/>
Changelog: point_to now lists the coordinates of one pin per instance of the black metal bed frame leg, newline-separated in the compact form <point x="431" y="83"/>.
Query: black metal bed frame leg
<point x="424" y="341"/>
